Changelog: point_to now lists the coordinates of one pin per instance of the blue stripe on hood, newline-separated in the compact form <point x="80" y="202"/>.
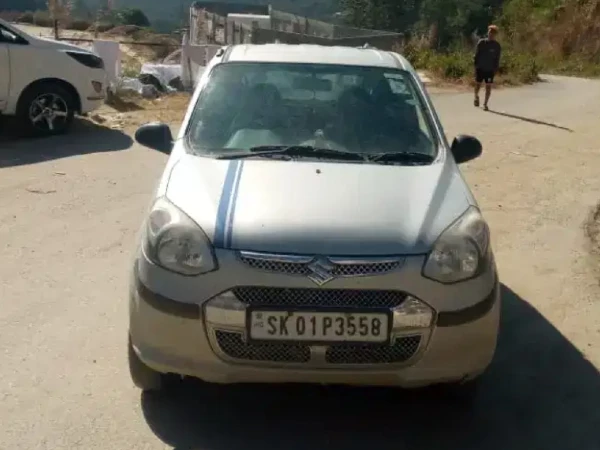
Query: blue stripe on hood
<point x="226" y="210"/>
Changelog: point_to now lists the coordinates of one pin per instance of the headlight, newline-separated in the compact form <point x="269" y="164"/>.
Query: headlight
<point x="87" y="59"/>
<point x="461" y="250"/>
<point x="175" y="242"/>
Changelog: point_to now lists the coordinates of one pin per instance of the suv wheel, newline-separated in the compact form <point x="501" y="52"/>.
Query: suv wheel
<point x="46" y="109"/>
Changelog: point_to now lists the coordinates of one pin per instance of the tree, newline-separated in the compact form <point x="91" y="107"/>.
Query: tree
<point x="21" y="5"/>
<point x="445" y="21"/>
<point x="133" y="16"/>
<point x="164" y="26"/>
<point x="389" y="15"/>
<point x="455" y="19"/>
<point x="80" y="9"/>
<point x="60" y="10"/>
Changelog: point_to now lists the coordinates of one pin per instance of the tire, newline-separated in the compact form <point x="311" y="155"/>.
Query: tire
<point x="145" y="378"/>
<point x="46" y="109"/>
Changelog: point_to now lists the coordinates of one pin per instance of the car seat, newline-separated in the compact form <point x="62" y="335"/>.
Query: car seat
<point x="260" y="107"/>
<point x="357" y="118"/>
<point x="398" y="107"/>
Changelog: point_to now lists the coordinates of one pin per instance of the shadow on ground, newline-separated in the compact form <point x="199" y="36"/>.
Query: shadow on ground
<point x="530" y="120"/>
<point x="85" y="138"/>
<point x="540" y="393"/>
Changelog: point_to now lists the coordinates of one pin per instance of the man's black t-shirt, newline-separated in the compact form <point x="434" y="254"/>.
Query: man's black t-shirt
<point x="487" y="55"/>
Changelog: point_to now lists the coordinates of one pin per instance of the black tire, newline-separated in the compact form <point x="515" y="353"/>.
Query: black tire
<point x="145" y="378"/>
<point x="51" y="104"/>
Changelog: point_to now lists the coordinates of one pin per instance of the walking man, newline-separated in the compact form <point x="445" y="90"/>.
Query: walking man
<point x="487" y="61"/>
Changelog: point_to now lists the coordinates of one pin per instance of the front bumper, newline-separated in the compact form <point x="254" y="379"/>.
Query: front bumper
<point x="172" y="330"/>
<point x="93" y="91"/>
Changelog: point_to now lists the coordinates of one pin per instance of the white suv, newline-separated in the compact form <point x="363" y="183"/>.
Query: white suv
<point x="44" y="83"/>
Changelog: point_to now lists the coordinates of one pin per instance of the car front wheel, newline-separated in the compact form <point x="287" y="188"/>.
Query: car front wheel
<point x="46" y="109"/>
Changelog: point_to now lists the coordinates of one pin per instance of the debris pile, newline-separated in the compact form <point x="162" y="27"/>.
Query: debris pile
<point x="154" y="80"/>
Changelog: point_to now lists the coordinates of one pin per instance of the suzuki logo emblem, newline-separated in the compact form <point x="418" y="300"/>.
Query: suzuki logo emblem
<point x="321" y="271"/>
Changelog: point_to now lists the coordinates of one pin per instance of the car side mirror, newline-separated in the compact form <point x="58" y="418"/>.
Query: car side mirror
<point x="465" y="148"/>
<point x="155" y="135"/>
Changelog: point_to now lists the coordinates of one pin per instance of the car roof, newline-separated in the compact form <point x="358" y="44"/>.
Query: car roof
<point x="316" y="54"/>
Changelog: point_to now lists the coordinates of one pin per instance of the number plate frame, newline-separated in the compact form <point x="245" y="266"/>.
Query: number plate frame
<point x="383" y="311"/>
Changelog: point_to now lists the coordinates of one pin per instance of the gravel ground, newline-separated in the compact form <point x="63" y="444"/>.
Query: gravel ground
<point x="71" y="206"/>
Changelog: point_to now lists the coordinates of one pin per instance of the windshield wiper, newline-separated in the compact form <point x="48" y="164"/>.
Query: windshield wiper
<point x="402" y="157"/>
<point x="295" y="150"/>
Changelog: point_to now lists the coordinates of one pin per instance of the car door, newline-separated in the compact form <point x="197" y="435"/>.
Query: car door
<point x="11" y="44"/>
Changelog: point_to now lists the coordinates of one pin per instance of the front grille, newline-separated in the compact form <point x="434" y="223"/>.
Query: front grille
<point x="234" y="346"/>
<point x="339" y="270"/>
<point x="402" y="350"/>
<point x="307" y="297"/>
<point x="291" y="268"/>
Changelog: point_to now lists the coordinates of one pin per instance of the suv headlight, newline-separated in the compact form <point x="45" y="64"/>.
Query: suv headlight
<point x="87" y="59"/>
<point x="461" y="251"/>
<point x="175" y="242"/>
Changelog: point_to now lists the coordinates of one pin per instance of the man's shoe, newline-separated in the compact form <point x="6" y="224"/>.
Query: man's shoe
<point x="476" y="102"/>
<point x="485" y="108"/>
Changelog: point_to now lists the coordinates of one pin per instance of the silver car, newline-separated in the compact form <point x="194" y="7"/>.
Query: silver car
<point x="312" y="226"/>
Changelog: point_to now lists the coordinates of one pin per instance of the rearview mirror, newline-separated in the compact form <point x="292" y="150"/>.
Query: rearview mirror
<point x="465" y="148"/>
<point x="155" y="135"/>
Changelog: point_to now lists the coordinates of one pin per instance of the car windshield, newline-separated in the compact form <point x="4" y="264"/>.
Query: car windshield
<point x="366" y="110"/>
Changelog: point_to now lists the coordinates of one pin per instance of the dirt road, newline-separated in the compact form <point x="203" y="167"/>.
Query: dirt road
<point x="70" y="208"/>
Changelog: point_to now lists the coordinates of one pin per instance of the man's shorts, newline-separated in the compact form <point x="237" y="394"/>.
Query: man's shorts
<point x="482" y="76"/>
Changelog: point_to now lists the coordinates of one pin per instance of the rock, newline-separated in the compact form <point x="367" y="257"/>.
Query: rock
<point x="147" y="78"/>
<point x="97" y="118"/>
<point x="150" y="92"/>
<point x="177" y="84"/>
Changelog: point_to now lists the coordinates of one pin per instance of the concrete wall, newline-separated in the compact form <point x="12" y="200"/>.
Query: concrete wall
<point x="209" y="25"/>
<point x="381" y="41"/>
<point x="263" y="36"/>
<point x="291" y="23"/>
<point x="223" y="9"/>
<point x="250" y="20"/>
<point x="341" y="31"/>
<point x="284" y="21"/>
<point x="210" y="28"/>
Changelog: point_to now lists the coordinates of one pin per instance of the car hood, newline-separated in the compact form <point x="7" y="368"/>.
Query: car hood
<point x="51" y="44"/>
<point x="319" y="207"/>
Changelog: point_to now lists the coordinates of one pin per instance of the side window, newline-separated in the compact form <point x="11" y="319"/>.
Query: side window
<point x="8" y="37"/>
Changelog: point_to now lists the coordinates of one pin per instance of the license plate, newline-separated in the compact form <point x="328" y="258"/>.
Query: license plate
<point x="318" y="326"/>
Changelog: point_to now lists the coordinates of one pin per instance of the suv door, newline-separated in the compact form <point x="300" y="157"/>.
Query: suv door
<point x="8" y="39"/>
<point x="4" y="71"/>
